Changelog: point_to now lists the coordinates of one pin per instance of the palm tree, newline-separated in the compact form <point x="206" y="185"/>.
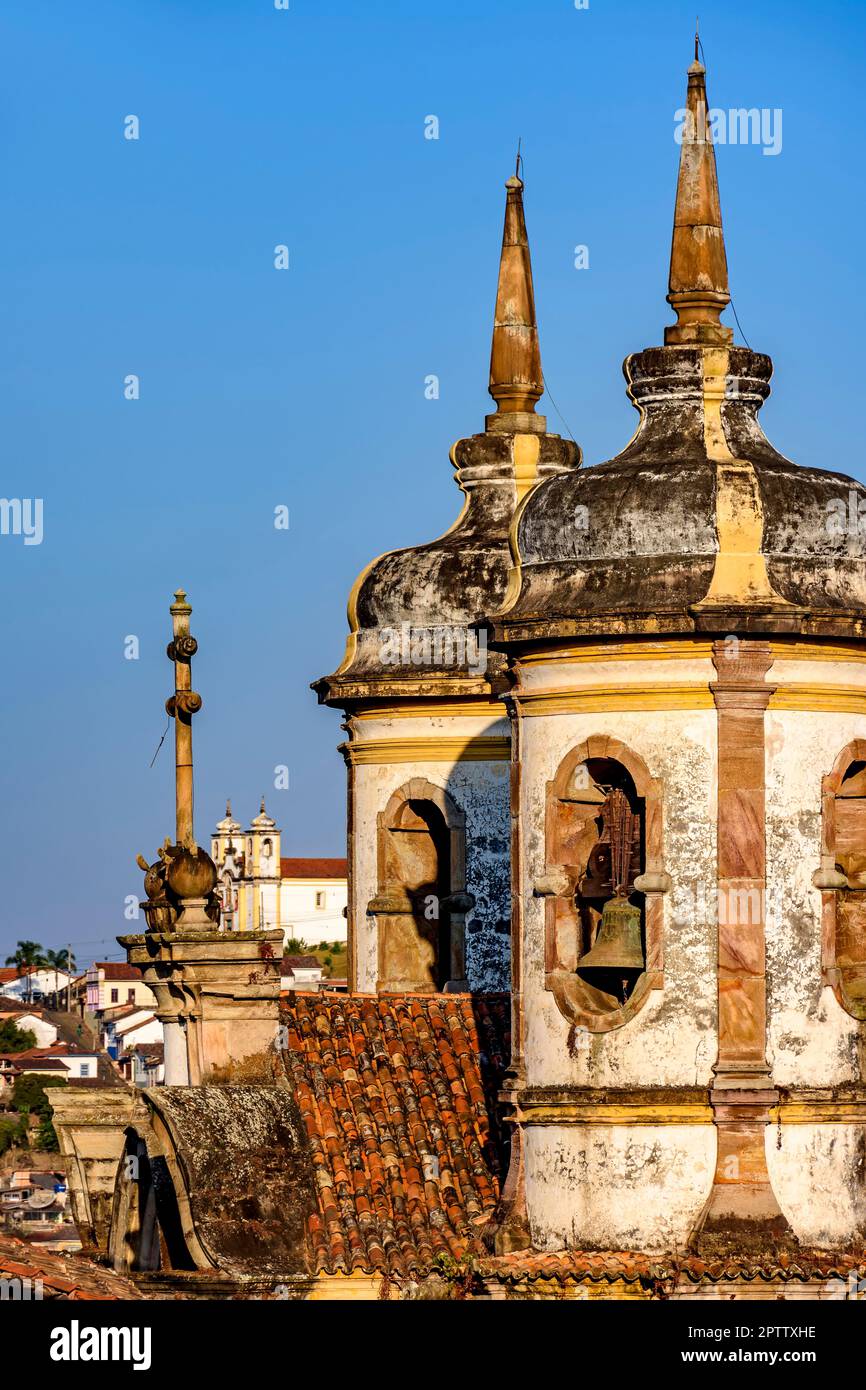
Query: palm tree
<point x="59" y="960"/>
<point x="28" y="956"/>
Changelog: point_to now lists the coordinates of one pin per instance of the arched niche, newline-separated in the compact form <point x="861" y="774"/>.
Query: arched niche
<point x="421" y="898"/>
<point x="598" y="782"/>
<point x="842" y="878"/>
<point x="146" y="1232"/>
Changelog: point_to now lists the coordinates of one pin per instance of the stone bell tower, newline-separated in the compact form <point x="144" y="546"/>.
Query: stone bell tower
<point x="686" y="636"/>
<point x="428" y="736"/>
<point x="217" y="991"/>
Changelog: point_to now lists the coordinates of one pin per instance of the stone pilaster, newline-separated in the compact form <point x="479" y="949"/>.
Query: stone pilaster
<point x="742" y="1209"/>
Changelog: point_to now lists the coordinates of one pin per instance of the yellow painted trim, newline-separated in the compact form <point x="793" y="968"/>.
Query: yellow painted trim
<point x="466" y="749"/>
<point x="526" y="449"/>
<point x="813" y="651"/>
<point x="817" y="698"/>
<point x="820" y="1112"/>
<point x="515" y="580"/>
<point x="688" y="649"/>
<point x="623" y="651"/>
<point x="615" y="697"/>
<point x="345" y="1288"/>
<point x="740" y="569"/>
<point x="816" y="1110"/>
<point x="842" y="699"/>
<point x="588" y="1113"/>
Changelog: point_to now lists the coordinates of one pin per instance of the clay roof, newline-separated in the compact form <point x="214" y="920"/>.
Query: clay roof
<point x="300" y="963"/>
<point x="312" y="868"/>
<point x="397" y="1095"/>
<point x="661" y="1272"/>
<point x="63" y="1276"/>
<point x="59" y="1049"/>
<point x="118" y="970"/>
<point x="150" y="1052"/>
<point x="9" y="972"/>
<point x="121" y="1011"/>
<point x="10" y="1005"/>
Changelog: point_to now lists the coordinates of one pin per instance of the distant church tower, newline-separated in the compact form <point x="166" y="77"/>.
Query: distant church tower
<point x="428" y="743"/>
<point x="248" y="871"/>
<point x="689" y="873"/>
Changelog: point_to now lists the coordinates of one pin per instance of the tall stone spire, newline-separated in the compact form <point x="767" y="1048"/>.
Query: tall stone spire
<point x="698" y="284"/>
<point x="516" y="382"/>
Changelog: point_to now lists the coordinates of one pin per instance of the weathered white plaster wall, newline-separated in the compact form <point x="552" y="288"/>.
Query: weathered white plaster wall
<point x="672" y="1041"/>
<point x="818" y="1174"/>
<point x="634" y="1187"/>
<point x="812" y="1041"/>
<point x="481" y="791"/>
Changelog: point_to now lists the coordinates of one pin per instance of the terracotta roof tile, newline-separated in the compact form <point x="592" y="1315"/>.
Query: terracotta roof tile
<point x="659" y="1270"/>
<point x="395" y="1093"/>
<point x="312" y="868"/>
<point x="117" y="970"/>
<point x="63" y="1276"/>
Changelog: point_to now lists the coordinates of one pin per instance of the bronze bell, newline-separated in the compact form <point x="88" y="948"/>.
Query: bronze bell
<point x="617" y="941"/>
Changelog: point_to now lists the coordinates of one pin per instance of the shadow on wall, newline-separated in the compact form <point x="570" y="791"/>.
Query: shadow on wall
<point x="421" y="903"/>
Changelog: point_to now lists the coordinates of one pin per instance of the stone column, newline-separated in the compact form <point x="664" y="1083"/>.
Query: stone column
<point x="742" y="1210"/>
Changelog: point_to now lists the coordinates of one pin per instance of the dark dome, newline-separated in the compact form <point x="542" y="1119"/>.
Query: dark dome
<point x="698" y="525"/>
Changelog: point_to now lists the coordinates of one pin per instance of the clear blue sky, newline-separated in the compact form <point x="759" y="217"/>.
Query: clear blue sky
<point x="305" y="387"/>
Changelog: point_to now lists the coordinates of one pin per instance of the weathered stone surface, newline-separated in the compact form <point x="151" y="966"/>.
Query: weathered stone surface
<point x="247" y="1174"/>
<point x="632" y="545"/>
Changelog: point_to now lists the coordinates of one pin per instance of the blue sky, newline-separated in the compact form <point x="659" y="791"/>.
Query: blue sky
<point x="305" y="387"/>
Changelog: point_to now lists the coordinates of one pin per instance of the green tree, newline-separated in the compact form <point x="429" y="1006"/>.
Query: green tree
<point x="8" y="1131"/>
<point x="56" y="961"/>
<point x="28" y="956"/>
<point x="29" y="1098"/>
<point x="15" y="1039"/>
<point x="293" y="947"/>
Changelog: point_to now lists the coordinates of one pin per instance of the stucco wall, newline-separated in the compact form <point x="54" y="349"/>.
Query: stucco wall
<point x="672" y="1041"/>
<point x="635" y="1187"/>
<point x="811" y="1039"/>
<point x="818" y="1172"/>
<point x="481" y="791"/>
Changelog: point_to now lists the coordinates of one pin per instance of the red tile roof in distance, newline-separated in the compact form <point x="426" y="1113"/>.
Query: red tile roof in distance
<point x="312" y="868"/>
<point x="118" y="970"/>
<point x="397" y="1094"/>
<point x="63" y="1276"/>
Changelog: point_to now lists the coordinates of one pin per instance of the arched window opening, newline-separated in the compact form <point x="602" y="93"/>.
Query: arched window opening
<point x="842" y="877"/>
<point x="612" y="926"/>
<point x="603" y="882"/>
<point x="421" y="899"/>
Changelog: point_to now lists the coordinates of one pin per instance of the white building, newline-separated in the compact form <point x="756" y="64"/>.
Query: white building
<point x="33" y="984"/>
<point x="30" y="1021"/>
<point x="259" y="888"/>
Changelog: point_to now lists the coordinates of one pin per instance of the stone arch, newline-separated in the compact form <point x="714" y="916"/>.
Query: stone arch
<point x="421" y="898"/>
<point x="573" y="821"/>
<point x="842" y="878"/>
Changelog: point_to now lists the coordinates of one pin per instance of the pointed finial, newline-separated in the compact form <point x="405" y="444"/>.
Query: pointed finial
<point x="698" y="284"/>
<point x="262" y="807"/>
<point x="228" y="808"/>
<point x="697" y="39"/>
<point x="516" y="382"/>
<point x="517" y="163"/>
